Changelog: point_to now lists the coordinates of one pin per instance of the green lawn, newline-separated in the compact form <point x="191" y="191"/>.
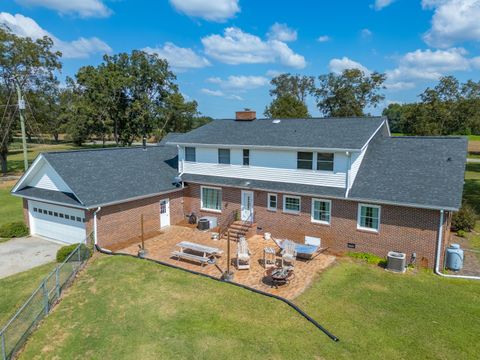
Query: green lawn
<point x="124" y="308"/>
<point x="16" y="289"/>
<point x="11" y="206"/>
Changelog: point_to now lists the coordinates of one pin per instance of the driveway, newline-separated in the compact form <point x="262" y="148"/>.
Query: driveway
<point x="21" y="254"/>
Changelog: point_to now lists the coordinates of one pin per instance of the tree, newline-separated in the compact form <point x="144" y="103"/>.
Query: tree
<point x="295" y="85"/>
<point x="32" y="65"/>
<point x="287" y="106"/>
<point x="349" y="93"/>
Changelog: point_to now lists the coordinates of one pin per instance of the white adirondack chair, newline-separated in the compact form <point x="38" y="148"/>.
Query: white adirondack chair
<point x="289" y="254"/>
<point x="243" y="254"/>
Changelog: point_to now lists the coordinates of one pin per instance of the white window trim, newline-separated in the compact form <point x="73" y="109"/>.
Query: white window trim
<point x="268" y="202"/>
<point x="201" y="199"/>
<point x="359" y="212"/>
<point x="329" y="215"/>
<point x="291" y="211"/>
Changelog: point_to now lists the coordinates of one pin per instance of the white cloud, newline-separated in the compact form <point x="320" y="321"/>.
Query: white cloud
<point x="219" y="93"/>
<point x="82" y="8"/>
<point x="453" y="21"/>
<point x="380" y="4"/>
<point x="238" y="47"/>
<point x="399" y="85"/>
<point x="27" y="27"/>
<point x="339" y="65"/>
<point x="211" y="10"/>
<point x="430" y="64"/>
<point x="273" y="73"/>
<point x="324" y="38"/>
<point x="282" y="32"/>
<point x="241" y="82"/>
<point x="366" y="33"/>
<point x="179" y="58"/>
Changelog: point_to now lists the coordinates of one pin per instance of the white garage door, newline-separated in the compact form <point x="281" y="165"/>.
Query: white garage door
<point x="57" y="222"/>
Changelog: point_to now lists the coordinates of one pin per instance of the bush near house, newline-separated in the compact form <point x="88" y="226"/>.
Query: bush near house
<point x="369" y="258"/>
<point x="64" y="251"/>
<point x="464" y="219"/>
<point x="13" y="229"/>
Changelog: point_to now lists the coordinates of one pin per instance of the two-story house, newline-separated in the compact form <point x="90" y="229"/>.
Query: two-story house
<point x="345" y="180"/>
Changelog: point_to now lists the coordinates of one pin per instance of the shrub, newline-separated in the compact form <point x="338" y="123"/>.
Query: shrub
<point x="369" y="258"/>
<point x="464" y="219"/>
<point x="461" y="233"/>
<point x="64" y="251"/>
<point x="14" y="229"/>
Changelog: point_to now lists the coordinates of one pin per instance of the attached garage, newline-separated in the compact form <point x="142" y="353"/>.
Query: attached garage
<point x="56" y="222"/>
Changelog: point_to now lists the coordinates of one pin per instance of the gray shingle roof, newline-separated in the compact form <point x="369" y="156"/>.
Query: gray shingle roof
<point x="169" y="137"/>
<point x="426" y="171"/>
<point x="104" y="176"/>
<point x="49" y="195"/>
<point x="328" y="133"/>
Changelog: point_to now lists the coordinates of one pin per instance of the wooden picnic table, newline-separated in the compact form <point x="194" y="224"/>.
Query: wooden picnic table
<point x="209" y="252"/>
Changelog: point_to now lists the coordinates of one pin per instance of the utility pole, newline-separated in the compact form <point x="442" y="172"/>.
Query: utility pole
<point x="21" y="107"/>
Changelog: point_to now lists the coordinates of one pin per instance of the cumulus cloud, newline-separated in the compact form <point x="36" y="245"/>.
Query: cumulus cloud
<point x="179" y="58"/>
<point x="282" y="32"/>
<point x="380" y="4"/>
<point x="219" y="93"/>
<point x="217" y="10"/>
<point x="82" y="8"/>
<point x="337" y="66"/>
<point x="366" y="33"/>
<point x="453" y="21"/>
<point x="430" y="64"/>
<point x="324" y="38"/>
<point x="238" y="47"/>
<point x="241" y="82"/>
<point x="27" y="27"/>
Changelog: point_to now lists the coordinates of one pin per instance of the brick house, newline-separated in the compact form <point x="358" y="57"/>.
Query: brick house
<point x="344" y="180"/>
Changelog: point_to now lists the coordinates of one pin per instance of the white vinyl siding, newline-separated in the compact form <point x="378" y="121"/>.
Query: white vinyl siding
<point x="368" y="217"/>
<point x="272" y="202"/>
<point x="321" y="211"/>
<point x="45" y="177"/>
<point x="291" y="204"/>
<point x="211" y="198"/>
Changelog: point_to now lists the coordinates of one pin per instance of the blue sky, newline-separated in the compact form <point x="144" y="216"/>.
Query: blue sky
<point x="225" y="52"/>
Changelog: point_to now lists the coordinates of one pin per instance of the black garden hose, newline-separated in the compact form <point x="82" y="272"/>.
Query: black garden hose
<point x="286" y="301"/>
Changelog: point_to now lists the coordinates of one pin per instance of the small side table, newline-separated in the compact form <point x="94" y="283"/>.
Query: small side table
<point x="269" y="258"/>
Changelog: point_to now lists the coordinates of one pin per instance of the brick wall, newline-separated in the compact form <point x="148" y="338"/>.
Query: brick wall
<point x="401" y="228"/>
<point x="120" y="223"/>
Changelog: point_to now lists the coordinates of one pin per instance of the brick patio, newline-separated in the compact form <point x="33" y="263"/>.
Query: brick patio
<point x="161" y="246"/>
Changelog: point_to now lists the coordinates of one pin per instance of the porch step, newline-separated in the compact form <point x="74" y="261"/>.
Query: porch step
<point x="239" y="229"/>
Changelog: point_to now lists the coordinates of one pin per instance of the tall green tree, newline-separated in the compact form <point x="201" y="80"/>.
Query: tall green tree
<point x="349" y="93"/>
<point x="287" y="107"/>
<point x="32" y="65"/>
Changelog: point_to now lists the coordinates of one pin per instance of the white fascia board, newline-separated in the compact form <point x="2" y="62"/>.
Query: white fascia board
<point x="28" y="172"/>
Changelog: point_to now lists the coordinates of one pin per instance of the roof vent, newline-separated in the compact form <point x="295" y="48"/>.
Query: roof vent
<point x="245" y="115"/>
<point x="276" y="121"/>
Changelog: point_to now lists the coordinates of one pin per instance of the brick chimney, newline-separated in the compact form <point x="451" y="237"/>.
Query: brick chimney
<point x="245" y="115"/>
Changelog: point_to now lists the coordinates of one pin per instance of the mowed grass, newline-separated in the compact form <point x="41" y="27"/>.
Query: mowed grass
<point x="11" y="208"/>
<point x="124" y="308"/>
<point x="16" y="289"/>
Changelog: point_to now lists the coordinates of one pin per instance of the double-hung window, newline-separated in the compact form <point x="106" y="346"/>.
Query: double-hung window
<point x="190" y="154"/>
<point x="246" y="157"/>
<point x="368" y="217"/>
<point x="211" y="198"/>
<point x="325" y="161"/>
<point x="305" y="160"/>
<point x="272" y="202"/>
<point x="291" y="204"/>
<point x="321" y="211"/>
<point x="224" y="156"/>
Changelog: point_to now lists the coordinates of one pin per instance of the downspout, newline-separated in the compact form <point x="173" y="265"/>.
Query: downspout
<point x="95" y="234"/>
<point x="439" y="253"/>
<point x="347" y="180"/>
<point x="180" y="165"/>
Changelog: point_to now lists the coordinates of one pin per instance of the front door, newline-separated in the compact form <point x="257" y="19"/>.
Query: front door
<point x="164" y="213"/>
<point x="247" y="205"/>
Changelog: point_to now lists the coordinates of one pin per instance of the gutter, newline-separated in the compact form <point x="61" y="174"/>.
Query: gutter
<point x="95" y="224"/>
<point x="439" y="253"/>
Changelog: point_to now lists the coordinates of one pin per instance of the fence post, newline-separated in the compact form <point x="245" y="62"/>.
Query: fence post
<point x="4" y="351"/>
<point x="57" y="281"/>
<point x="45" y="294"/>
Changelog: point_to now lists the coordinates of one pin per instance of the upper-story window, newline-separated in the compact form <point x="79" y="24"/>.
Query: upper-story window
<point x="224" y="156"/>
<point x="190" y="154"/>
<point x="325" y="161"/>
<point x="305" y="160"/>
<point x="246" y="157"/>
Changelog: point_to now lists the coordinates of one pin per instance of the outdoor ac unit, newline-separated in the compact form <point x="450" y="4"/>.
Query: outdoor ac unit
<point x="396" y="261"/>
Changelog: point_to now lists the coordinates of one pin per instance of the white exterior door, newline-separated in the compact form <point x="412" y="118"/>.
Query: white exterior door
<point x="164" y="213"/>
<point x="247" y="205"/>
<point x="57" y="222"/>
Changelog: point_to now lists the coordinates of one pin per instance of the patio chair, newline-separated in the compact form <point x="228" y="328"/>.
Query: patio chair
<point x="289" y="254"/>
<point x="243" y="254"/>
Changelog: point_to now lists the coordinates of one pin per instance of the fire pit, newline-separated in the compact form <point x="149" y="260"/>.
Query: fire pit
<point x="280" y="276"/>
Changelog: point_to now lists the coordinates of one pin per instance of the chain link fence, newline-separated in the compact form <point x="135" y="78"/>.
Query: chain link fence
<point x="39" y="304"/>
